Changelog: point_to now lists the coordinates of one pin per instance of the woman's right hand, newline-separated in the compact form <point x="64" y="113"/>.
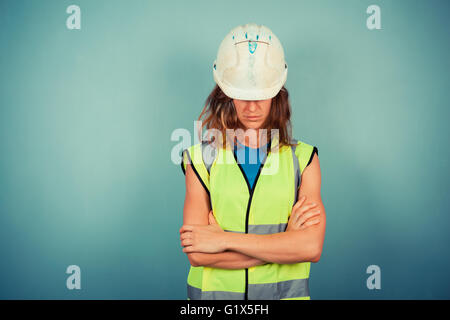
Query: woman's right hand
<point x="300" y="215"/>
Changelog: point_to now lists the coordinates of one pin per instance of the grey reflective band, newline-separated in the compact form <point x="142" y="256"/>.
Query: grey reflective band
<point x="297" y="174"/>
<point x="297" y="288"/>
<point x="222" y="295"/>
<point x="209" y="154"/>
<point x="197" y="294"/>
<point x="264" y="228"/>
<point x="279" y="290"/>
<point x="194" y="293"/>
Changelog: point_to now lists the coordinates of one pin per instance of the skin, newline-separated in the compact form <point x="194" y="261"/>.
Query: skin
<point x="206" y="244"/>
<point x="245" y="110"/>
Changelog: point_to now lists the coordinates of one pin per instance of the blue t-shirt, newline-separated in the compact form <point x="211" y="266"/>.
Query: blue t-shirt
<point x="250" y="160"/>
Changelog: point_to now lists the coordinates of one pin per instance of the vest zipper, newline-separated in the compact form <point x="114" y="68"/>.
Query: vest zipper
<point x="251" y="190"/>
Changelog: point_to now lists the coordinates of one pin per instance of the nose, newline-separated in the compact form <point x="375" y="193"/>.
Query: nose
<point x="252" y="106"/>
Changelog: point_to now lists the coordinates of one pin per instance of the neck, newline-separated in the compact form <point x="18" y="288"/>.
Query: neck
<point x="252" y="140"/>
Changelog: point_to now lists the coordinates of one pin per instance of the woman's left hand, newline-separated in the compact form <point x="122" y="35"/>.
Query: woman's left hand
<point x="203" y="238"/>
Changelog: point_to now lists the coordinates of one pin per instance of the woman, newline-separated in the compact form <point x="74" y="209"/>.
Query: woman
<point x="251" y="230"/>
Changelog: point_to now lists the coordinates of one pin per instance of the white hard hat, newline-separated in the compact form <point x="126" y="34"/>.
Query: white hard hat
<point x="250" y="63"/>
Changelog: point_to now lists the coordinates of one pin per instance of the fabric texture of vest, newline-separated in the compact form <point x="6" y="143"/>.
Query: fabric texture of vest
<point x="263" y="209"/>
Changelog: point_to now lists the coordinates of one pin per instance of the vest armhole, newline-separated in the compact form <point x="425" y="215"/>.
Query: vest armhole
<point x="312" y="155"/>
<point x="305" y="153"/>
<point x="185" y="159"/>
<point x="189" y="157"/>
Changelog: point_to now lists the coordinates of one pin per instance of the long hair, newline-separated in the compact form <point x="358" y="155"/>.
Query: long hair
<point x="219" y="114"/>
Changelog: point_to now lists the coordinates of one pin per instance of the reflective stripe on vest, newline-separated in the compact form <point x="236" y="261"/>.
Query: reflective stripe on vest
<point x="264" y="228"/>
<point x="265" y="209"/>
<point x="262" y="291"/>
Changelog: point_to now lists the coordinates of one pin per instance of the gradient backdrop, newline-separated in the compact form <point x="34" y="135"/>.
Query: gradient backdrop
<point x="86" y="117"/>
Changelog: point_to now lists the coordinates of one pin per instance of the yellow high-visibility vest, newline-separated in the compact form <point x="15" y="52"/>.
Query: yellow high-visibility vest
<point x="263" y="209"/>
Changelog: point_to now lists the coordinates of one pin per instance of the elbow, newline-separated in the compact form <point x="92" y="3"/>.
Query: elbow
<point x="315" y="259"/>
<point x="194" y="259"/>
<point x="311" y="251"/>
<point x="316" y="253"/>
<point x="312" y="254"/>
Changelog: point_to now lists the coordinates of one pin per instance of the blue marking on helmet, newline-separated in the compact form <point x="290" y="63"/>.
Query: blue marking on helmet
<point x="252" y="46"/>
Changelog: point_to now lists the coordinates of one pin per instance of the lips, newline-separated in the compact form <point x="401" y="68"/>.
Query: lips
<point x="252" y="117"/>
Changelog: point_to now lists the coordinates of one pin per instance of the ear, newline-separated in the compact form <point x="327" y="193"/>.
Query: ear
<point x="211" y="218"/>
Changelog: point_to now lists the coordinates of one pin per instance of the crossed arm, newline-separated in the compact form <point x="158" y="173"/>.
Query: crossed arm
<point x="206" y="244"/>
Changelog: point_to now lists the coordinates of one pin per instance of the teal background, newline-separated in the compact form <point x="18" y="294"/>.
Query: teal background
<point x="86" y="117"/>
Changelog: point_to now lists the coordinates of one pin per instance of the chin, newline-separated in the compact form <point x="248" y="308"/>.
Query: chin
<point x="253" y="125"/>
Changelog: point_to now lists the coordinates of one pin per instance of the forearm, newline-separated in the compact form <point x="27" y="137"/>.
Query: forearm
<point x="283" y="248"/>
<point x="224" y="260"/>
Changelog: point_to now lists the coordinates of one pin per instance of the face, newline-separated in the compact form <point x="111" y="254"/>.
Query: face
<point x="252" y="113"/>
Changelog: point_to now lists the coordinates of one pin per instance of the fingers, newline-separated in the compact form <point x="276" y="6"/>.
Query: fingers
<point x="301" y="213"/>
<point x="295" y="214"/>
<point x="308" y="206"/>
<point x="186" y="235"/>
<point x="211" y="218"/>
<point x="186" y="227"/>
<point x="298" y="203"/>
<point x="188" y="249"/>
<point x="187" y="242"/>
<point x="308" y="215"/>
<point x="187" y="239"/>
<point x="310" y="223"/>
<point x="303" y="209"/>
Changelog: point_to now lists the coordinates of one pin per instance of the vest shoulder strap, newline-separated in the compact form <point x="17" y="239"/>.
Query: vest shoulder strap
<point x="194" y="155"/>
<point x="302" y="154"/>
<point x="305" y="153"/>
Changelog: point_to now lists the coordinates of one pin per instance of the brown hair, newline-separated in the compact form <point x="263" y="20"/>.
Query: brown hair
<point x="220" y="114"/>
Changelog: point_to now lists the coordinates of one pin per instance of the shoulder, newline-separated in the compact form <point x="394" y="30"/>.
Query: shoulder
<point x="192" y="149"/>
<point x="195" y="156"/>
<point x="200" y="154"/>
<point x="191" y="155"/>
<point x="198" y="148"/>
<point x="306" y="153"/>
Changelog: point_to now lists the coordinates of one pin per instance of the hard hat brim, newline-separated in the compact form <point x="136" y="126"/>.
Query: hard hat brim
<point x="246" y="94"/>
